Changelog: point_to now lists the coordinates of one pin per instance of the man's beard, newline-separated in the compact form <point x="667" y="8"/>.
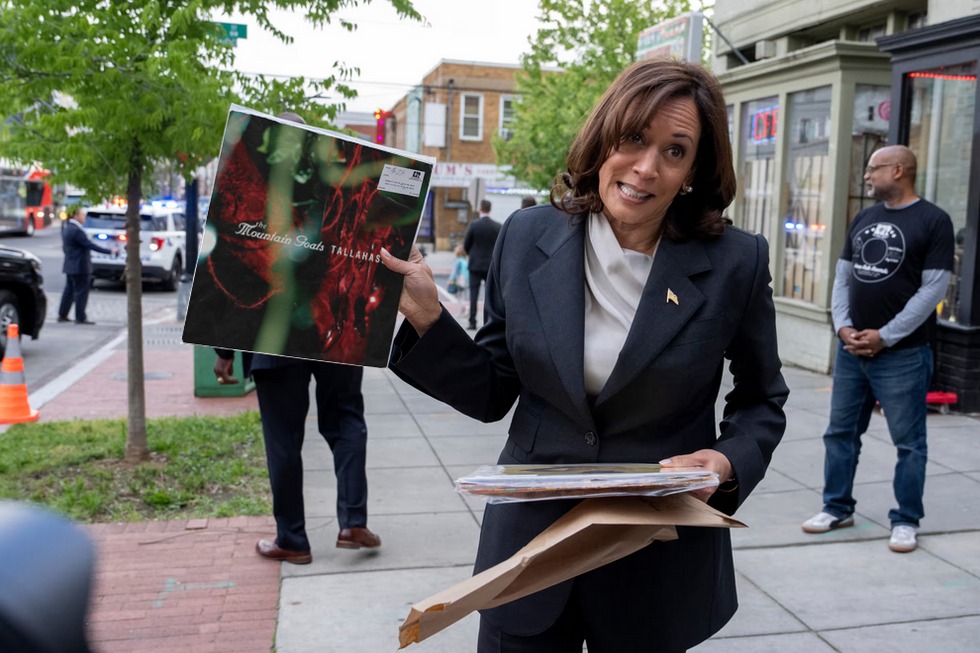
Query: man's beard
<point x="880" y="194"/>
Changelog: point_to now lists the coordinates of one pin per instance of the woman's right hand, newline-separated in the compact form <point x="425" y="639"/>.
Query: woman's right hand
<point x="419" y="302"/>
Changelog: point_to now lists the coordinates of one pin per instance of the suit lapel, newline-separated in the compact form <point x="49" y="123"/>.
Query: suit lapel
<point x="558" y="287"/>
<point x="658" y="319"/>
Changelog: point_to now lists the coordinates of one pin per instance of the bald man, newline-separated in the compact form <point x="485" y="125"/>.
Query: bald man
<point x="893" y="272"/>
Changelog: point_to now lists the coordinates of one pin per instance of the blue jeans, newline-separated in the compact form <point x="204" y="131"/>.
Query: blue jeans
<point x="899" y="379"/>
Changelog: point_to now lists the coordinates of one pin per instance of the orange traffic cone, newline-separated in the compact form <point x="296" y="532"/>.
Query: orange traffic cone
<point x="13" y="387"/>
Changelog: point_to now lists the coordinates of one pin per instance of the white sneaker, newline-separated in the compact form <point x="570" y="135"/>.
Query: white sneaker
<point x="824" y="521"/>
<point x="903" y="539"/>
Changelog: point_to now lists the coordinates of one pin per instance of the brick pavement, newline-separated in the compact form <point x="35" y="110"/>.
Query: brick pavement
<point x="98" y="394"/>
<point x="186" y="586"/>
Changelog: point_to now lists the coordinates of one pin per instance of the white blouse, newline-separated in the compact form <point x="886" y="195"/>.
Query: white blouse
<point x="614" y="281"/>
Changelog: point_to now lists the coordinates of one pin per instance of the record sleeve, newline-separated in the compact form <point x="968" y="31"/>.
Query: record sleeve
<point x="509" y="483"/>
<point x="290" y="260"/>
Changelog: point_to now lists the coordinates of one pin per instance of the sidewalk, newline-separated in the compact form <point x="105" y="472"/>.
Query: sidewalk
<point x="187" y="586"/>
<point x="843" y="591"/>
<point x="183" y="587"/>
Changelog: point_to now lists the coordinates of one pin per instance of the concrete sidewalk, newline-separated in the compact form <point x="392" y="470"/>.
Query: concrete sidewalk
<point x="843" y="591"/>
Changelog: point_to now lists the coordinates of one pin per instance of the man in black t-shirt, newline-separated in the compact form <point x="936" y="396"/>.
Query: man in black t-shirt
<point x="893" y="272"/>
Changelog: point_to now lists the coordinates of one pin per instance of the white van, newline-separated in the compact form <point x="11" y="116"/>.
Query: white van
<point x="162" y="242"/>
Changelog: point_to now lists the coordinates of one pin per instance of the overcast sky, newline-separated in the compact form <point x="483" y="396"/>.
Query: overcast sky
<point x="393" y="54"/>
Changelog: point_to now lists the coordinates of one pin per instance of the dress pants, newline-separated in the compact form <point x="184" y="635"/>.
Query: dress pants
<point x="476" y="279"/>
<point x="572" y="628"/>
<point x="76" y="290"/>
<point x="284" y="400"/>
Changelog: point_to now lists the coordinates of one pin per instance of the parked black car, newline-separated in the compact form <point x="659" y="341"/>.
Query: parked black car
<point x="22" y="299"/>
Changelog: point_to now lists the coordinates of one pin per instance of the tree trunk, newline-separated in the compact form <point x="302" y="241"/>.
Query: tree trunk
<point x="136" y="446"/>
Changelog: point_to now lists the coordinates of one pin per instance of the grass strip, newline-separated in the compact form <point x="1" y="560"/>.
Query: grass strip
<point x="204" y="466"/>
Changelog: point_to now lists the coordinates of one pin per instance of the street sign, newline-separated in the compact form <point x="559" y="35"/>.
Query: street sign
<point x="231" y="32"/>
<point x="679" y="37"/>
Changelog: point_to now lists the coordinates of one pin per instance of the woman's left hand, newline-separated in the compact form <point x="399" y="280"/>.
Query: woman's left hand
<point x="713" y="461"/>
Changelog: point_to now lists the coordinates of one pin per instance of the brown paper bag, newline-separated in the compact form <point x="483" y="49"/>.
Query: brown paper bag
<point x="594" y="533"/>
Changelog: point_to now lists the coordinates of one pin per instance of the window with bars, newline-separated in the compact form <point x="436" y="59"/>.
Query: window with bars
<point x="471" y="117"/>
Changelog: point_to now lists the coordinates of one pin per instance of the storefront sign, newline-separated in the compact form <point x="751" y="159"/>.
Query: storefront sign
<point x="461" y="175"/>
<point x="679" y="37"/>
<point x="764" y="124"/>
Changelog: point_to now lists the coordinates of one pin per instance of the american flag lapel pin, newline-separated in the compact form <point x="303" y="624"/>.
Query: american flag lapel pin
<point x="671" y="297"/>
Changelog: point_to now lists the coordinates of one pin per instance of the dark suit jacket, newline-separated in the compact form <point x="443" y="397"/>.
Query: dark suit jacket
<point x="478" y="242"/>
<point x="659" y="401"/>
<point x="78" y="248"/>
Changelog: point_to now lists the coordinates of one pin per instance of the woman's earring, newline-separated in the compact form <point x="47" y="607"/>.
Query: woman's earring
<point x="686" y="190"/>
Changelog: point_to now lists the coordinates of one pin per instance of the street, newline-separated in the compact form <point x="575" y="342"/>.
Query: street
<point x="60" y="345"/>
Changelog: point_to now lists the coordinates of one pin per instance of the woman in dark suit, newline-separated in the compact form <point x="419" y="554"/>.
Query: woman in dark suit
<point x="609" y="315"/>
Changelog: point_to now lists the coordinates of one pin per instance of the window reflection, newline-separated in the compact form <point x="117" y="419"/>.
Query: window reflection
<point x="869" y="133"/>
<point x="940" y="122"/>
<point x="806" y="175"/>
<point x="760" y="122"/>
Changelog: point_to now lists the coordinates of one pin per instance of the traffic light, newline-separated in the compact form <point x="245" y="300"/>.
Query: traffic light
<point x="380" y="115"/>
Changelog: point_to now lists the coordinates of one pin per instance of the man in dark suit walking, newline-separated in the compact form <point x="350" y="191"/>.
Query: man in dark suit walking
<point x="283" y="388"/>
<point x="480" y="238"/>
<point x="77" y="267"/>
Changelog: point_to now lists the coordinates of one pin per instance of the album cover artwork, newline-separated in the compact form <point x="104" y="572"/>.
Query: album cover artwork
<point x="290" y="260"/>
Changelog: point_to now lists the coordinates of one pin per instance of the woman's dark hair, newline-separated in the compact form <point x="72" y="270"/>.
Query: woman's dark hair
<point x="626" y="108"/>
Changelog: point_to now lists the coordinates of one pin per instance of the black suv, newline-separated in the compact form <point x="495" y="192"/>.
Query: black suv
<point x="22" y="299"/>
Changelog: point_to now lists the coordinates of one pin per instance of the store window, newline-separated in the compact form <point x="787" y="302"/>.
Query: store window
<point x="506" y="116"/>
<point x="869" y="132"/>
<point x="940" y="128"/>
<point x="760" y="123"/>
<point x="471" y="117"/>
<point x="806" y="174"/>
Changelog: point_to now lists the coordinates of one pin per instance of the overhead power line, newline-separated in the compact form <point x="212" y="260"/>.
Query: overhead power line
<point x="392" y="84"/>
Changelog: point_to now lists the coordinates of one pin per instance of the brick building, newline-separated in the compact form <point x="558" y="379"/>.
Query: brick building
<point x="454" y="114"/>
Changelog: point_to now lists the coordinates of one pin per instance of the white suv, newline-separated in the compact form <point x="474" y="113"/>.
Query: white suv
<point x="162" y="242"/>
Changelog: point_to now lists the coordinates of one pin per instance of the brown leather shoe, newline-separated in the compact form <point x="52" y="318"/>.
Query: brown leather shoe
<point x="355" y="538"/>
<point x="269" y="549"/>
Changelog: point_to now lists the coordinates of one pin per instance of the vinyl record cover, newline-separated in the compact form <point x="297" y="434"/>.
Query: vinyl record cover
<point x="290" y="260"/>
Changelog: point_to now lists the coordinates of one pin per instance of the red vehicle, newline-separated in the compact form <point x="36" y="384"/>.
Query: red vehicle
<point x="26" y="202"/>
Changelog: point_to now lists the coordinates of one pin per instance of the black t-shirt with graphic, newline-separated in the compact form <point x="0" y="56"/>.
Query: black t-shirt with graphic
<point x="889" y="249"/>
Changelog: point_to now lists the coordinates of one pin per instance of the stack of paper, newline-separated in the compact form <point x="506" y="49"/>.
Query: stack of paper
<point x="503" y="483"/>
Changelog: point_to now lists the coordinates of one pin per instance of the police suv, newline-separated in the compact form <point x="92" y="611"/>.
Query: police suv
<point x="162" y="242"/>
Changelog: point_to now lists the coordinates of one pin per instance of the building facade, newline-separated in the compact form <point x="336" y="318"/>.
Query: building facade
<point x="814" y="87"/>
<point x="454" y="114"/>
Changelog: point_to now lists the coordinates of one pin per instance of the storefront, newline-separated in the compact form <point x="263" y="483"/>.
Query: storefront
<point x="803" y="128"/>
<point x="935" y="95"/>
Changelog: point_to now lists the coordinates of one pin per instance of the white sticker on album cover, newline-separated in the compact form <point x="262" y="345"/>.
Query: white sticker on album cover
<point x="403" y="181"/>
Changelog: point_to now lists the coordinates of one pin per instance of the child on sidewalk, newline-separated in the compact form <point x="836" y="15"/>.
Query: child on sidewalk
<point x="459" y="278"/>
